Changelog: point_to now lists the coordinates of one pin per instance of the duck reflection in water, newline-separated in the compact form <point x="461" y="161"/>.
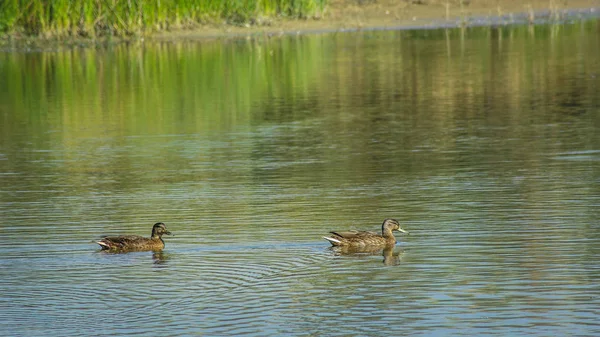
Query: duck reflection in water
<point x="390" y="256"/>
<point x="160" y="258"/>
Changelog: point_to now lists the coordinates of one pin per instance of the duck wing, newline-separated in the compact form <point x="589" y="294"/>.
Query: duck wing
<point x="354" y="234"/>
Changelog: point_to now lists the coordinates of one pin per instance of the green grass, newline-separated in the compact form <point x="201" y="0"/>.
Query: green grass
<point x="90" y="18"/>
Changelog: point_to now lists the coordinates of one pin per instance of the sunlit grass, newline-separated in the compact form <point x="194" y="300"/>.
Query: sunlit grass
<point x="128" y="17"/>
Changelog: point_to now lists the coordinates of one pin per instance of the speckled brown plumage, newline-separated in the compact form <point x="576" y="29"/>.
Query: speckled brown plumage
<point x="136" y="242"/>
<point x="363" y="239"/>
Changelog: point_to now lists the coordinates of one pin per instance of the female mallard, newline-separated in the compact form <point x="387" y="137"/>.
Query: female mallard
<point x="361" y="239"/>
<point x="136" y="242"/>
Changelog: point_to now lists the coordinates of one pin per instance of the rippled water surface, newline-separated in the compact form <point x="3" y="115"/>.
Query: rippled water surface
<point x="484" y="143"/>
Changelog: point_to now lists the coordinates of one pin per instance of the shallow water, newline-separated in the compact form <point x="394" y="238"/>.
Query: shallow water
<point x="482" y="142"/>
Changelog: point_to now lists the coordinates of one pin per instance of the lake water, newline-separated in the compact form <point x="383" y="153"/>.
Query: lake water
<point x="484" y="143"/>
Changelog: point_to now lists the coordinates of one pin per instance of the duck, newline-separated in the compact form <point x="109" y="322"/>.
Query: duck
<point x="136" y="242"/>
<point x="367" y="240"/>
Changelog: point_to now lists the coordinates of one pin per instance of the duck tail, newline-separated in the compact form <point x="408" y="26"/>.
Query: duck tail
<point x="334" y="242"/>
<point x="103" y="244"/>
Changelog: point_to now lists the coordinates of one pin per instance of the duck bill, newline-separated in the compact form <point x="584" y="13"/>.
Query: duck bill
<point x="403" y="231"/>
<point x="168" y="233"/>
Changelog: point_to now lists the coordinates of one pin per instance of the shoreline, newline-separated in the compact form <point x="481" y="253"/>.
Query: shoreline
<point x="541" y="17"/>
<point x="348" y="16"/>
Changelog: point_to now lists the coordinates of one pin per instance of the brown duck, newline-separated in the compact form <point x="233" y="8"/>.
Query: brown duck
<point x="136" y="242"/>
<point x="363" y="239"/>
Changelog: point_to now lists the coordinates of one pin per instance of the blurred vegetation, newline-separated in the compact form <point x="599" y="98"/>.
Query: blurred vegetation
<point x="90" y="18"/>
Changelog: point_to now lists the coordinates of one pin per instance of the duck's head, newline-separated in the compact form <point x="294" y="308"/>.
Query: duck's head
<point x="392" y="225"/>
<point x="159" y="230"/>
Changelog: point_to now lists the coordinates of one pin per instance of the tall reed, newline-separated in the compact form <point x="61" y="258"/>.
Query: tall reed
<point x="127" y="17"/>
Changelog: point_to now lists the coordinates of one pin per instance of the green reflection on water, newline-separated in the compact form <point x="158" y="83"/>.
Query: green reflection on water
<point x="204" y="87"/>
<point x="164" y="88"/>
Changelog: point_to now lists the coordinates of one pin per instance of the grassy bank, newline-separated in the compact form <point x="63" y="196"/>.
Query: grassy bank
<point x="91" y="18"/>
